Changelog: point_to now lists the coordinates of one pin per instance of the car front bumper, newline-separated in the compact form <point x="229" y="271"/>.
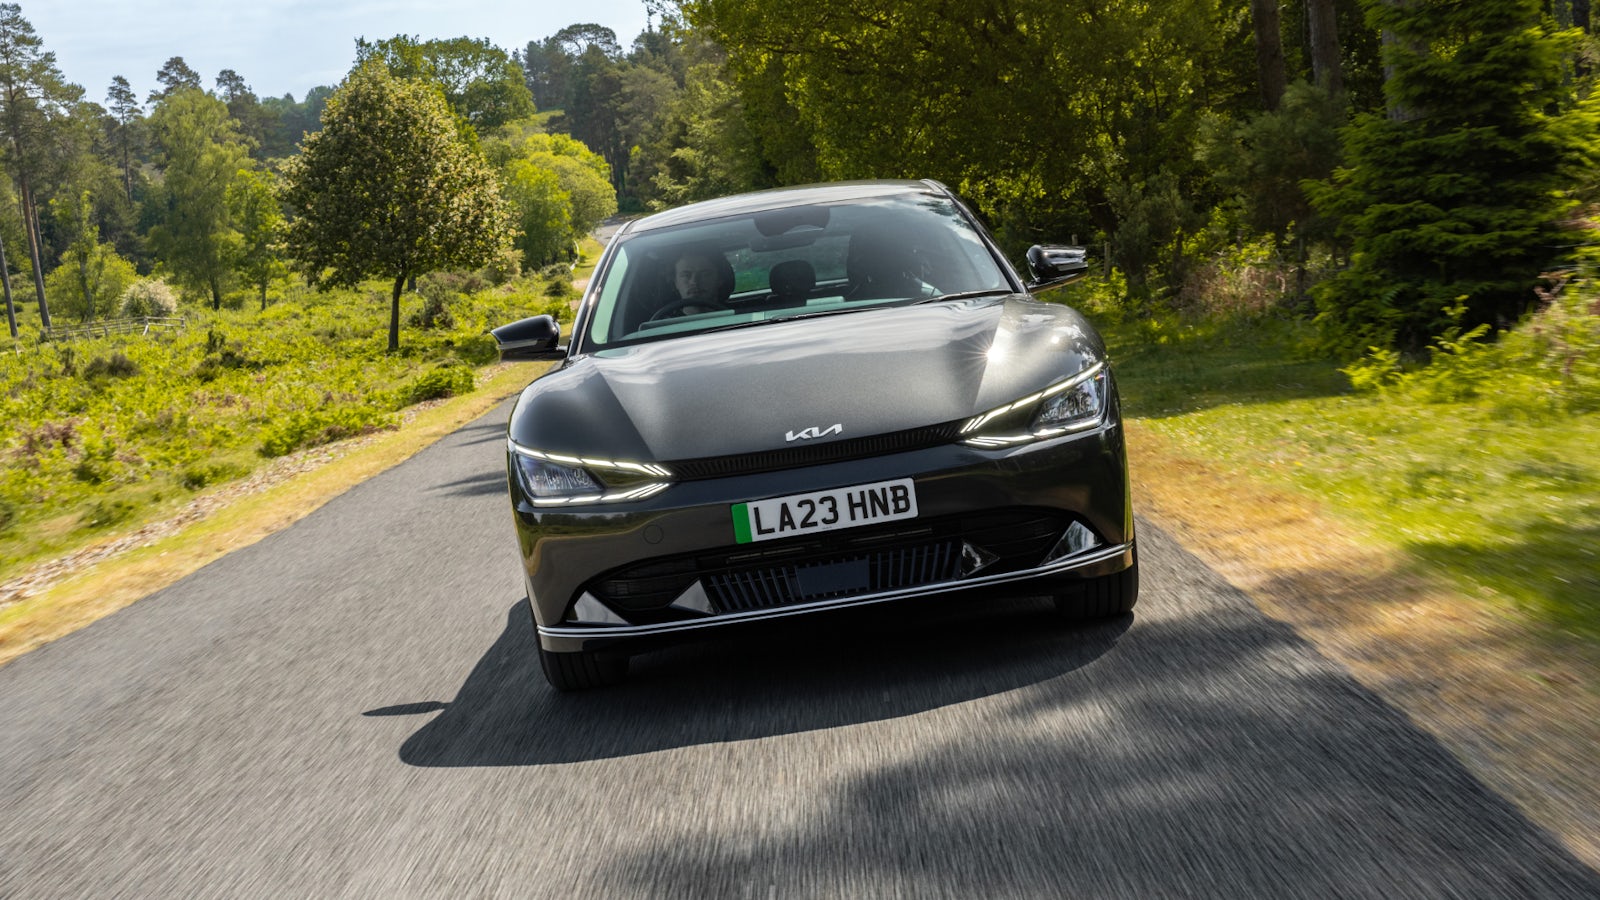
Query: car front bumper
<point x="1040" y="517"/>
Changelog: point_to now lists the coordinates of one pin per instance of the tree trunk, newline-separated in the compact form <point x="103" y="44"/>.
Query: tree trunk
<point x="1269" y="52"/>
<point x="5" y="280"/>
<point x="394" y="314"/>
<point x="30" y="224"/>
<point x="1324" y="27"/>
<point x="1398" y="112"/>
<point x="216" y="294"/>
<point x="88" y="295"/>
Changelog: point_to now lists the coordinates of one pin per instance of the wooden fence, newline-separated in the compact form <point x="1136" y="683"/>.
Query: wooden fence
<point x="104" y="327"/>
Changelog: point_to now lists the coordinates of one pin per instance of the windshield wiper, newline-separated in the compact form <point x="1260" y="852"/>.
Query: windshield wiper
<point x="966" y="295"/>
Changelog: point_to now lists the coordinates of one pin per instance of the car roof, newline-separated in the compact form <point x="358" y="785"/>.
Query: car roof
<point x="803" y="195"/>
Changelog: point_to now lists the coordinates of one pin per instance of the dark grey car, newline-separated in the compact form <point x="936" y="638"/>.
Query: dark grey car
<point x="867" y="406"/>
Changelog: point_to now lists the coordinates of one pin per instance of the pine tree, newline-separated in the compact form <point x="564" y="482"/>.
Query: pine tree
<point x="1460" y="190"/>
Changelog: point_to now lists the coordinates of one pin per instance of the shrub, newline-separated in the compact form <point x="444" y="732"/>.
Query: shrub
<point x="107" y="512"/>
<point x="505" y="266"/>
<point x="108" y="367"/>
<point x="104" y="275"/>
<point x="477" y="349"/>
<point x="312" y="428"/>
<point x="435" y="311"/>
<point x="1545" y="365"/>
<point x="445" y="381"/>
<point x="149" y="297"/>
<point x="200" y="475"/>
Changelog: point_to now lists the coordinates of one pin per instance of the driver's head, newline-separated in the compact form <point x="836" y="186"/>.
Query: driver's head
<point x="697" y="277"/>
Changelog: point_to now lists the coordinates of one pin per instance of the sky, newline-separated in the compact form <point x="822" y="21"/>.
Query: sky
<point x="284" y="46"/>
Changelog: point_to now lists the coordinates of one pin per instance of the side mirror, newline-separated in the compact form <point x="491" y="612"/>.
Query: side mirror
<point x="1053" y="265"/>
<point x="531" y="338"/>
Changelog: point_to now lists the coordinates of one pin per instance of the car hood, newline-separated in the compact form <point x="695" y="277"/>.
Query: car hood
<point x="757" y="388"/>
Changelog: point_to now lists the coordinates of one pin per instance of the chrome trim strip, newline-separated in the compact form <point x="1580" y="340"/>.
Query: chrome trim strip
<point x="1060" y="565"/>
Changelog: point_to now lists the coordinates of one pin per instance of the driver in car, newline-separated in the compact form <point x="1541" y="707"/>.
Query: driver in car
<point x="704" y="281"/>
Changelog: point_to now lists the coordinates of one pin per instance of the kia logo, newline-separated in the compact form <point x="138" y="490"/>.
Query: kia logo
<point x="807" y="434"/>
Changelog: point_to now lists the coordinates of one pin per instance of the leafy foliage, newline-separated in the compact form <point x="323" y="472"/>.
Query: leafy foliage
<point x="203" y="155"/>
<point x="253" y="205"/>
<point x="481" y="82"/>
<point x="148" y="297"/>
<point x="557" y="188"/>
<point x="444" y="381"/>
<point x="1461" y="189"/>
<point x="388" y="188"/>
<point x="1544" y="367"/>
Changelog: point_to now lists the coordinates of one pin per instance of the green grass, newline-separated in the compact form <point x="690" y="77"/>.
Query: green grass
<point x="1503" y="499"/>
<point x="99" y="435"/>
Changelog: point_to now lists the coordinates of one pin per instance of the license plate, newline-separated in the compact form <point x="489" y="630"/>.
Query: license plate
<point x="848" y="507"/>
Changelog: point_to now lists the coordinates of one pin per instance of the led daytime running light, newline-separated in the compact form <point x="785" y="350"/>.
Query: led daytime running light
<point x="638" y="492"/>
<point x="995" y="441"/>
<point x="650" y="469"/>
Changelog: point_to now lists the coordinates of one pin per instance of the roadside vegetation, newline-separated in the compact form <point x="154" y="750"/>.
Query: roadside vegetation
<point x="102" y="434"/>
<point x="1482" y="466"/>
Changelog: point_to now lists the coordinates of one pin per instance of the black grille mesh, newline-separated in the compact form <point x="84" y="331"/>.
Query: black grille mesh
<point x="884" y="570"/>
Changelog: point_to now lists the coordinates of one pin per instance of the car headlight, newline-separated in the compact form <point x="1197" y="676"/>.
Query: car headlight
<point x="556" y="479"/>
<point x="1077" y="404"/>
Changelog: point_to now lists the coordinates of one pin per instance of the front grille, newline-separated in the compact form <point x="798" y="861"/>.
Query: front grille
<point x="812" y="454"/>
<point x="884" y="570"/>
<point x="833" y="564"/>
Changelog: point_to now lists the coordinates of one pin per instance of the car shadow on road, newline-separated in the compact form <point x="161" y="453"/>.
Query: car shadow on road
<point x="800" y="675"/>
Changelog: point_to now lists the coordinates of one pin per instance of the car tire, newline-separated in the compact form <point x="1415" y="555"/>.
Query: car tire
<point x="1101" y="598"/>
<point x="581" y="671"/>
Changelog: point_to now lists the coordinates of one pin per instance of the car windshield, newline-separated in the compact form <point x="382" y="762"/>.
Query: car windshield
<point x="779" y="264"/>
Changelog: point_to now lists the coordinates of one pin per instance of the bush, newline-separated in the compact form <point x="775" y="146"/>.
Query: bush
<point x="435" y="311"/>
<point x="445" y="381"/>
<point x="149" y="297"/>
<point x="1544" y="365"/>
<point x="505" y="267"/>
<point x="313" y="428"/>
<point x="108" y="276"/>
<point x="108" y="367"/>
<point x="477" y="349"/>
<point x="200" y="475"/>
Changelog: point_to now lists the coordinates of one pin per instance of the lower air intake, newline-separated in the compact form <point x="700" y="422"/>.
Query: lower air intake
<point x="884" y="570"/>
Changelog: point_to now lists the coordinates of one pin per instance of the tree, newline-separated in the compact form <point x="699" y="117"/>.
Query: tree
<point x="174" y="76"/>
<point x="32" y="95"/>
<point x="202" y="156"/>
<point x="559" y="190"/>
<point x="91" y="277"/>
<point x="125" y="133"/>
<point x="389" y="188"/>
<point x="1323" y="26"/>
<point x="1467" y="194"/>
<point x="253" y="205"/>
<point x="254" y="120"/>
<point x="482" y="83"/>
<point x="1030" y="108"/>
<point x="1269" y="52"/>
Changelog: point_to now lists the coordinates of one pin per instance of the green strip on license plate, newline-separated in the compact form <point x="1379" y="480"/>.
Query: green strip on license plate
<point x="741" y="523"/>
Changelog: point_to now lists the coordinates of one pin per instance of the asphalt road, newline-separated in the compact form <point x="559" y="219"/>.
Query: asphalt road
<point x="352" y="708"/>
